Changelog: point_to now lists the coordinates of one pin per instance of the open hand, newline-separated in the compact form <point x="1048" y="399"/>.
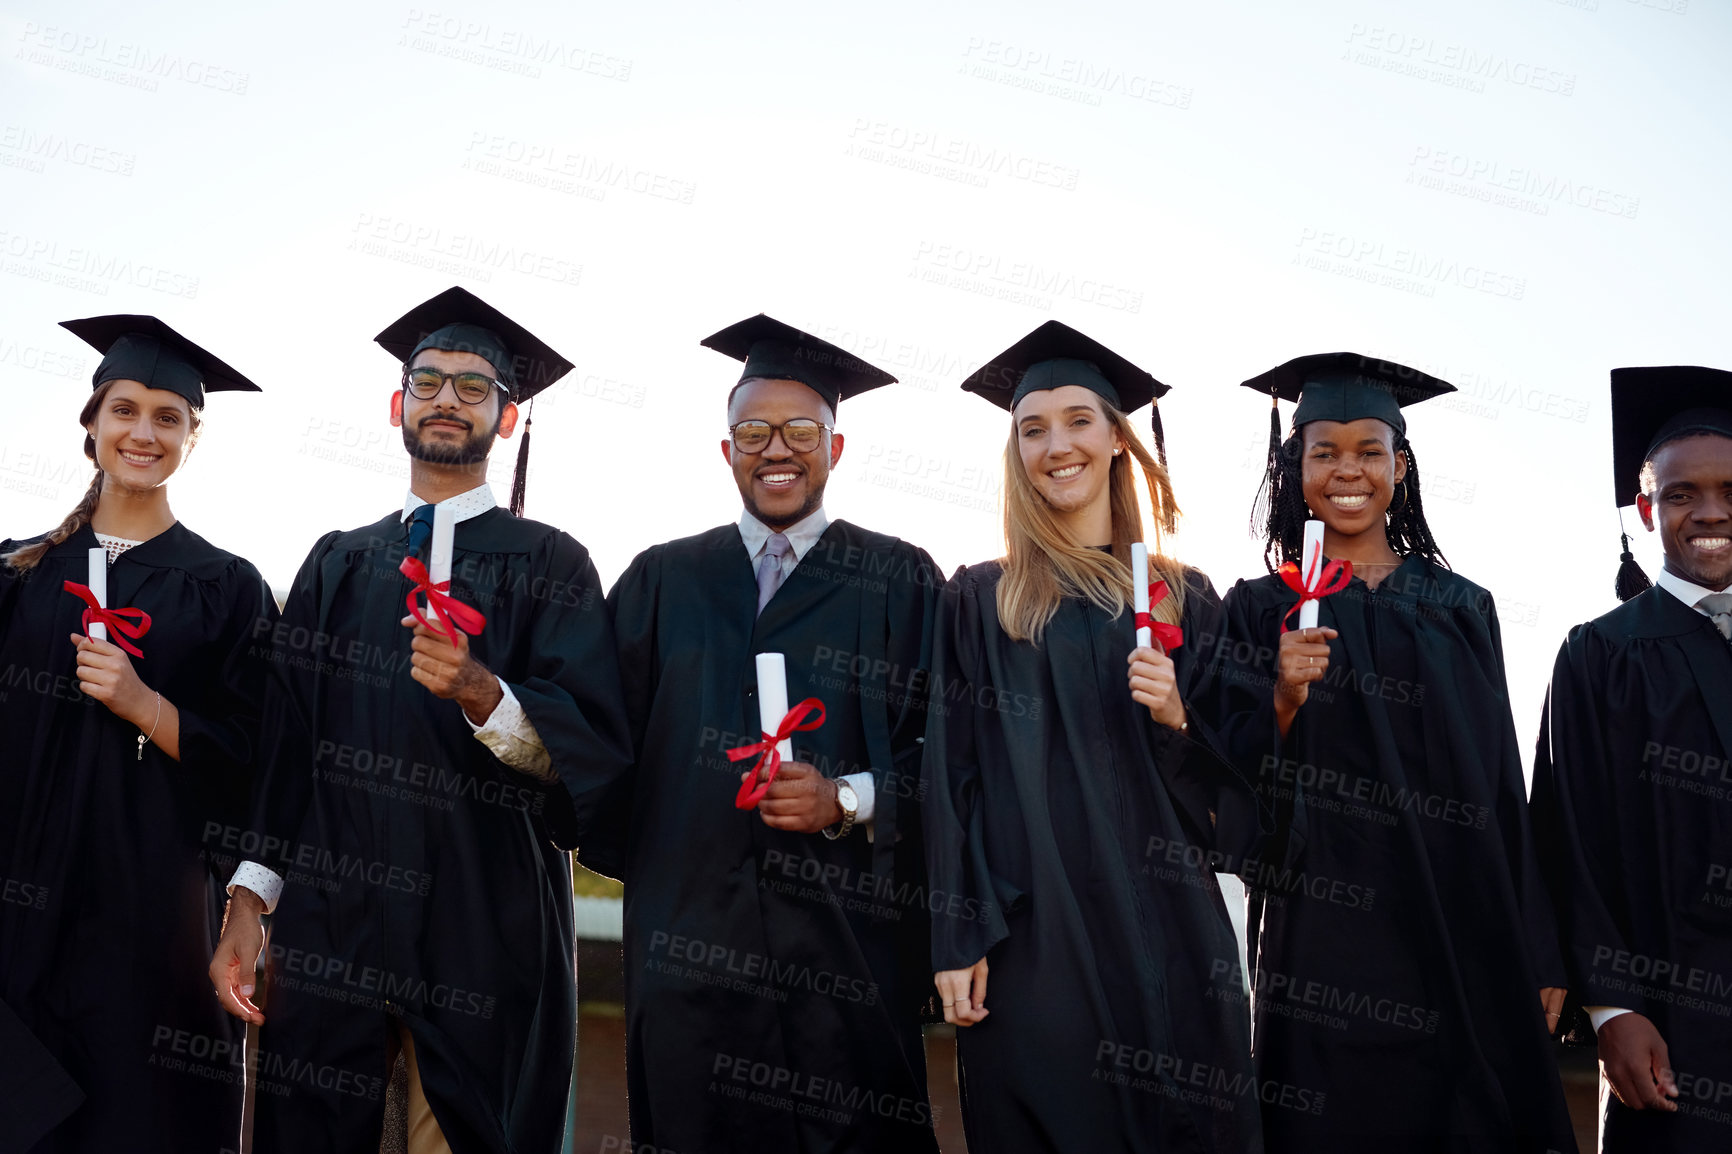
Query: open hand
<point x="1635" y="1062"/>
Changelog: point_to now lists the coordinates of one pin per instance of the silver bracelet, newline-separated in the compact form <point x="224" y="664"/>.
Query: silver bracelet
<point x="144" y="737"/>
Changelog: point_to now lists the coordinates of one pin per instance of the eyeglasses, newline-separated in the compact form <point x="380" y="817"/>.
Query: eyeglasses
<point x="471" y="388"/>
<point x="800" y="435"/>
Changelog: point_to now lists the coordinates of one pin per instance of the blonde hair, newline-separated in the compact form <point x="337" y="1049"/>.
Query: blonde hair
<point x="25" y="558"/>
<point x="1043" y="565"/>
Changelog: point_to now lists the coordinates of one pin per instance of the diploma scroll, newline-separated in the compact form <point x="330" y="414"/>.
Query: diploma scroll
<point x="773" y="699"/>
<point x="1311" y="566"/>
<point x="1140" y="590"/>
<point x="99" y="587"/>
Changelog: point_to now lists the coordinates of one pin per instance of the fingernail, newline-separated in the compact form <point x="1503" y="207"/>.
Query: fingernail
<point x="246" y="991"/>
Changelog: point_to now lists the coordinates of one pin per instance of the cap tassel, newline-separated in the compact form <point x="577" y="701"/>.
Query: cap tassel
<point x="1632" y="582"/>
<point x="520" y="475"/>
<point x="1160" y="434"/>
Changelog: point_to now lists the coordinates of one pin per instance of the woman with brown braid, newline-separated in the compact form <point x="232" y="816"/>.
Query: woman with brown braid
<point x="127" y="759"/>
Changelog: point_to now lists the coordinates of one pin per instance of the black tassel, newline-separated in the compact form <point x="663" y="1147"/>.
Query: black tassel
<point x="520" y="475"/>
<point x="1160" y="434"/>
<point x="1632" y="582"/>
<point x="1274" y="434"/>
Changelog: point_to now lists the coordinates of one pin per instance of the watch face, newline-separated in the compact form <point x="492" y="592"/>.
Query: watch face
<point x="846" y="799"/>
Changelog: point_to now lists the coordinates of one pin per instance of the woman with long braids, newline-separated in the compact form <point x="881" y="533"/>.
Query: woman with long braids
<point x="126" y="769"/>
<point x="1079" y="940"/>
<point x="1405" y="964"/>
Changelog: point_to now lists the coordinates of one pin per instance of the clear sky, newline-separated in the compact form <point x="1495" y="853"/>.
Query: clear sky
<point x="1514" y="195"/>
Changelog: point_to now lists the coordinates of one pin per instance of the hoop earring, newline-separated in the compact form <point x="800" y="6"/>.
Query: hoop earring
<point x="1401" y="485"/>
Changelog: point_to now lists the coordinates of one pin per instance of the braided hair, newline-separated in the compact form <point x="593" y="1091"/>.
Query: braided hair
<point x="1280" y="512"/>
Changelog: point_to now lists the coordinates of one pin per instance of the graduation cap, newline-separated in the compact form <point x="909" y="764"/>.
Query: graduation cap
<point x="143" y="349"/>
<point x="459" y="321"/>
<point x="782" y="352"/>
<point x="1651" y="407"/>
<point x="1348" y="387"/>
<point x="1055" y="355"/>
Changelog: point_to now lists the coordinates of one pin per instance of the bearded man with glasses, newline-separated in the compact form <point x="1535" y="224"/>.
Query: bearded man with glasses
<point x="422" y="775"/>
<point x="775" y="945"/>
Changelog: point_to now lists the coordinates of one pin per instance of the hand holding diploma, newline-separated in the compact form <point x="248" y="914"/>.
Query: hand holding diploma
<point x="775" y="752"/>
<point x="1313" y="579"/>
<point x="98" y="590"/>
<point x="1153" y="680"/>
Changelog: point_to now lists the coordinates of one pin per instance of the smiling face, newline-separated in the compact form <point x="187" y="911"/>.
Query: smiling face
<point x="1067" y="446"/>
<point x="141" y="434"/>
<point x="444" y="430"/>
<point x="1690" y="503"/>
<point x="779" y="486"/>
<point x="1349" y="472"/>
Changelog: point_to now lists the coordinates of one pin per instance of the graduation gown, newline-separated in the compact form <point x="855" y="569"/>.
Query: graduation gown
<point x="1633" y="812"/>
<point x="1081" y="830"/>
<point x="773" y="978"/>
<point x="427" y="882"/>
<point x="111" y="908"/>
<point x="1397" y="968"/>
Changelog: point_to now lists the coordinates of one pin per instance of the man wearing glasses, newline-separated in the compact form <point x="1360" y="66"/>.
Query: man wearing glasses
<point x="776" y="951"/>
<point x="422" y="772"/>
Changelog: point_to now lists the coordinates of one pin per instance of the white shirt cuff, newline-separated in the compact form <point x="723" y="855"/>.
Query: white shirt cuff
<point x="1600" y="1015"/>
<point x="511" y="736"/>
<point x="865" y="793"/>
<point x="268" y="884"/>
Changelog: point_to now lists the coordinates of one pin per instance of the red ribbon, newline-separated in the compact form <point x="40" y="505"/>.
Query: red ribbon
<point x="452" y="613"/>
<point x="751" y="790"/>
<point x="1170" y="636"/>
<point x="1314" y="587"/>
<point x="119" y="629"/>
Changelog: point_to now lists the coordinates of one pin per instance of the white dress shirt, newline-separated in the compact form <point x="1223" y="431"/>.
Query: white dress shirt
<point x="802" y="535"/>
<point x="508" y="732"/>
<point x="1689" y="593"/>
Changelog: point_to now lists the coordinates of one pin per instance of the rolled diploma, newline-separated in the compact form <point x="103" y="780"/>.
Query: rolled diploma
<point x="1140" y="589"/>
<point x="99" y="586"/>
<point x="439" y="548"/>
<point x="773" y="699"/>
<point x="1311" y="571"/>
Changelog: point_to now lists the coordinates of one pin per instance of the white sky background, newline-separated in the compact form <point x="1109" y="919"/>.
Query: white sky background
<point x="1515" y="195"/>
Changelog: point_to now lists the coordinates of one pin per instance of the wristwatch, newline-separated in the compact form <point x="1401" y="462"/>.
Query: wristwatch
<point x="850" y="804"/>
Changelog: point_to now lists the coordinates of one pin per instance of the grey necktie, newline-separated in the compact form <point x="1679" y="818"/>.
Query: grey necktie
<point x="1718" y="606"/>
<point x="770" y="568"/>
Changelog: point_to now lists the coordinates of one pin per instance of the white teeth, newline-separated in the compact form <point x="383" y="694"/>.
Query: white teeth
<point x="137" y="458"/>
<point x="777" y="478"/>
<point x="1066" y="473"/>
<point x="1353" y="502"/>
<point x="1711" y="543"/>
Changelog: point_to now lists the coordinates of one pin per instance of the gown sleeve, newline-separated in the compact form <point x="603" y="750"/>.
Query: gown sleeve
<point x="955" y="808"/>
<point x="1574" y="815"/>
<point x="571" y="692"/>
<point x="632" y="608"/>
<point x="219" y="728"/>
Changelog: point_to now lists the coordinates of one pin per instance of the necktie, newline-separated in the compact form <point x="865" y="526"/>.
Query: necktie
<point x="1718" y="606"/>
<point x="421" y="532"/>
<point x="770" y="568"/>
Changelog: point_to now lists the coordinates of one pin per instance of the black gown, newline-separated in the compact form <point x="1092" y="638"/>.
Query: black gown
<point x="111" y="907"/>
<point x="1082" y="830"/>
<point x="773" y="979"/>
<point x="1633" y="812"/>
<point x="1397" y="969"/>
<point x="427" y="881"/>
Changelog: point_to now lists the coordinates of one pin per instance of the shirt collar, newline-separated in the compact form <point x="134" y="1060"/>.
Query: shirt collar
<point x="802" y="535"/>
<point x="1686" y="591"/>
<point x="466" y="505"/>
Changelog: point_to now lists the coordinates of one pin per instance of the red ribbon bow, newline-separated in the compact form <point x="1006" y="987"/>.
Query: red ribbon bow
<point x="452" y="613"/>
<point x="751" y="790"/>
<point x="1169" y="636"/>
<point x="119" y="629"/>
<point x="1314" y="587"/>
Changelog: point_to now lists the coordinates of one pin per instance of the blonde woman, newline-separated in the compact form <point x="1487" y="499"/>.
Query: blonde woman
<point x="1079" y="940"/>
<point x="126" y="766"/>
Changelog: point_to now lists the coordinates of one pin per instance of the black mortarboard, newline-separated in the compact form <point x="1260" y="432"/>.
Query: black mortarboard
<point x="1055" y="355"/>
<point x="1348" y="387"/>
<point x="459" y="321"/>
<point x="1651" y="406"/>
<point x="143" y="349"/>
<point x="774" y="350"/>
